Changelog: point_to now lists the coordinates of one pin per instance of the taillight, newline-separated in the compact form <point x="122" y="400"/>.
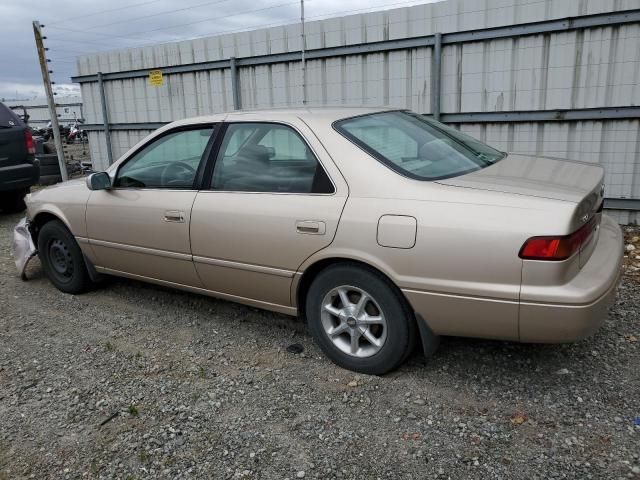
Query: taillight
<point x="28" y="141"/>
<point x="557" y="248"/>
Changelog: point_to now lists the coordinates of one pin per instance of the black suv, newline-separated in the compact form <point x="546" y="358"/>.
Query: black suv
<point x="19" y="168"/>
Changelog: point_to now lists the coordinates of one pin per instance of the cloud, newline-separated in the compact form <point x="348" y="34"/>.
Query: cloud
<point x="27" y="91"/>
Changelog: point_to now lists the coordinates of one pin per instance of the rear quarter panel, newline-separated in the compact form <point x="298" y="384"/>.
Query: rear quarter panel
<point x="463" y="275"/>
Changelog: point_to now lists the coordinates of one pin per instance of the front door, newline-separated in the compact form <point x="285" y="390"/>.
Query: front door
<point x="141" y="226"/>
<point x="275" y="199"/>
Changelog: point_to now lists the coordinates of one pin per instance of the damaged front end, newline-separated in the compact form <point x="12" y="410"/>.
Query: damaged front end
<point x="23" y="247"/>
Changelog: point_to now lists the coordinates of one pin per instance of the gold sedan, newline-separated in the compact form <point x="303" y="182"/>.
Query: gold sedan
<point x="383" y="229"/>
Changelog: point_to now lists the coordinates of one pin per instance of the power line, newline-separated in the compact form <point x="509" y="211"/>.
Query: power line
<point x="105" y="35"/>
<point x="368" y="9"/>
<point x="159" y="13"/>
<point x="65" y="50"/>
<point x="108" y="35"/>
<point x="296" y="20"/>
<point x="103" y="11"/>
<point x="35" y="61"/>
<point x="282" y="23"/>
<point x="76" y="41"/>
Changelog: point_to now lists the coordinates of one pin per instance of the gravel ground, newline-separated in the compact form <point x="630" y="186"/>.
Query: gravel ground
<point x="137" y="381"/>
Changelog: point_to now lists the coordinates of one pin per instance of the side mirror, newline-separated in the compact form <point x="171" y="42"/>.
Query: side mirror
<point x="99" y="181"/>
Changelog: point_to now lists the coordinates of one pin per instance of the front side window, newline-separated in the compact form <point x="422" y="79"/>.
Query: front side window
<point x="267" y="157"/>
<point x="416" y="146"/>
<point x="170" y="161"/>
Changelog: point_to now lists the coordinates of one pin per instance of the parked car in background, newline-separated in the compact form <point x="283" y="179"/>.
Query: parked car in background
<point x="19" y="169"/>
<point x="382" y="228"/>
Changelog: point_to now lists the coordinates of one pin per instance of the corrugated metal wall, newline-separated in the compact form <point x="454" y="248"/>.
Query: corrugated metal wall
<point x="593" y="67"/>
<point x="68" y="109"/>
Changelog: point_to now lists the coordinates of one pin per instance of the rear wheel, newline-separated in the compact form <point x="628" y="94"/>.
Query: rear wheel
<point x="62" y="259"/>
<point x="359" y="319"/>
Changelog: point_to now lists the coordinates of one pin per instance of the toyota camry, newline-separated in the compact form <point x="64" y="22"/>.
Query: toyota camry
<point x="383" y="229"/>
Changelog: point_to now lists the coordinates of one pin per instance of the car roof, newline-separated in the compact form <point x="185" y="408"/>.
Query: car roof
<point x="329" y="114"/>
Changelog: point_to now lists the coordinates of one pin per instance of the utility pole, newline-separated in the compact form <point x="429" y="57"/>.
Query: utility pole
<point x="37" y="32"/>
<point x="304" y="66"/>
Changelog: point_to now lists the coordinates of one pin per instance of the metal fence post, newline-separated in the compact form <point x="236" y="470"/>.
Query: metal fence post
<point x="105" y="118"/>
<point x="436" y="76"/>
<point x="235" y="87"/>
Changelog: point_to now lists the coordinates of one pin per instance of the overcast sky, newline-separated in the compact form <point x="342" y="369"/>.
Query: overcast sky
<point x="75" y="27"/>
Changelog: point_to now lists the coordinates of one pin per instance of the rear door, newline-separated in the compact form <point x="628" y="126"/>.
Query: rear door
<point x="140" y="227"/>
<point x="275" y="199"/>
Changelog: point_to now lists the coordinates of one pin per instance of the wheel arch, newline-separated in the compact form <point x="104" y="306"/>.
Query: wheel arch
<point x="45" y="216"/>
<point x="40" y="219"/>
<point x="311" y="271"/>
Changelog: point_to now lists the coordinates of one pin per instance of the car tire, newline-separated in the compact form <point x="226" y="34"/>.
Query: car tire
<point x="383" y="324"/>
<point x="49" y="170"/>
<point x="48" y="148"/>
<point x="13" y="202"/>
<point x="62" y="259"/>
<point x="49" y="179"/>
<point x="49" y="159"/>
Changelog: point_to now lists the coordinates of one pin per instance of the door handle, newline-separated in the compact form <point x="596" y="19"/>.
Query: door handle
<point x="311" y="227"/>
<point x="174" y="216"/>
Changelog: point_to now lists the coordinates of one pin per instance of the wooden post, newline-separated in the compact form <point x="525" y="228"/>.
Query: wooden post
<point x="50" y="100"/>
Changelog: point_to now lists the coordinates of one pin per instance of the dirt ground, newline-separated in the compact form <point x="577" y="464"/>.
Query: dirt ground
<point x="134" y="381"/>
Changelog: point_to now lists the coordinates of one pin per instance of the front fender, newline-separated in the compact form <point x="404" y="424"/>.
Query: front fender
<point x="65" y="201"/>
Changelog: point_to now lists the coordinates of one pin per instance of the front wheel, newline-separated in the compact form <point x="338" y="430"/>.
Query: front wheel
<point x="62" y="259"/>
<point x="359" y="319"/>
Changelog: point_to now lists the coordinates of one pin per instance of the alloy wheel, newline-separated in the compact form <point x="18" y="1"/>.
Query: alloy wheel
<point x="353" y="321"/>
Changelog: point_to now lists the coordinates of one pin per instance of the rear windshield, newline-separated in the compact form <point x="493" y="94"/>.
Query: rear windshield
<point x="416" y="146"/>
<point x="8" y="118"/>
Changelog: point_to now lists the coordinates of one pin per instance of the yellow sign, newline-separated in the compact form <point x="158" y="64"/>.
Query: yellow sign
<point x="155" y="78"/>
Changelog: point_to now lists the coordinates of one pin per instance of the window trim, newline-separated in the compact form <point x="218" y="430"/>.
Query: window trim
<point x="379" y="157"/>
<point x="220" y="135"/>
<point x="204" y="158"/>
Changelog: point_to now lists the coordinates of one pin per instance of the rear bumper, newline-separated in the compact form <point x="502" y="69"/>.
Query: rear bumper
<point x="585" y="299"/>
<point x="19" y="177"/>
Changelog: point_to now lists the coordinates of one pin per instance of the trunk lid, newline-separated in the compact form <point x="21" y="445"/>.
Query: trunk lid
<point x="575" y="182"/>
<point x="537" y="177"/>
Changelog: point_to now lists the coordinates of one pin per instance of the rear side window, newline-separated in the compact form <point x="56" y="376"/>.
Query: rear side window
<point x="267" y="157"/>
<point x="416" y="146"/>
<point x="8" y="117"/>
